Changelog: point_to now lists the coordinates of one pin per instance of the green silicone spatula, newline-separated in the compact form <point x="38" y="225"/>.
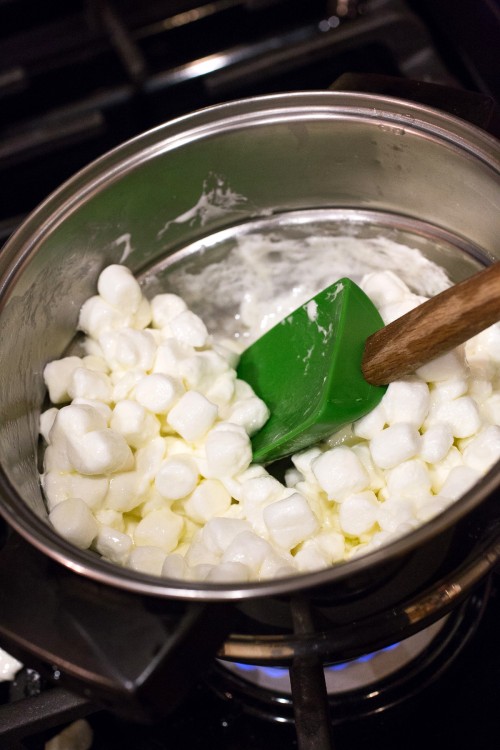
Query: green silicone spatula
<point x="328" y="363"/>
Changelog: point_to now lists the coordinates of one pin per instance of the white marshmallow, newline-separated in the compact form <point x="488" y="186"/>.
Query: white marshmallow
<point x="177" y="477"/>
<point x="483" y="451"/>
<point x="113" y="545"/>
<point x="165" y="307"/>
<point x="459" y="481"/>
<point x="188" y="328"/>
<point x="406" y="401"/>
<point x="147" y="559"/>
<point x="125" y="492"/>
<point x="372" y="423"/>
<point x="248" y="549"/>
<point x="228" y="452"/>
<point x="47" y="419"/>
<point x="128" y="349"/>
<point x="161" y="528"/>
<point x="461" y="415"/>
<point x="75" y="420"/>
<point x="119" y="288"/>
<point x="290" y="521"/>
<point x="169" y="355"/>
<point x="409" y="480"/>
<point x="358" y="513"/>
<point x="384" y="287"/>
<point x="221" y="391"/>
<point x="148" y="459"/>
<point x="395" y="310"/>
<point x="97" y="316"/>
<point x="395" y="444"/>
<point x="449" y="366"/>
<point x="124" y="383"/>
<point x="339" y="472"/>
<point x="439" y="472"/>
<point x="112" y="518"/>
<point x="137" y="426"/>
<point x="99" y="452"/>
<point x="250" y="413"/>
<point x="175" y="566"/>
<point x="57" y="378"/>
<point x="218" y="533"/>
<point x="192" y="416"/>
<point x="210" y="498"/>
<point x="90" y="384"/>
<point x="158" y="392"/>
<point x="303" y="462"/>
<point x="73" y="520"/>
<point x="436" y="442"/>
<point x="100" y="406"/>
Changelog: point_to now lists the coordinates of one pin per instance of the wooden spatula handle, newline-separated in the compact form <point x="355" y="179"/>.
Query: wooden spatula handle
<point x="433" y="328"/>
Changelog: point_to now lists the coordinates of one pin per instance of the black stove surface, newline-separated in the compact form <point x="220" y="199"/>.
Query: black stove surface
<point x="453" y="703"/>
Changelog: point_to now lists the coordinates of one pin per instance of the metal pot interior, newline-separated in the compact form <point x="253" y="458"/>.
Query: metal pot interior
<point x="175" y="204"/>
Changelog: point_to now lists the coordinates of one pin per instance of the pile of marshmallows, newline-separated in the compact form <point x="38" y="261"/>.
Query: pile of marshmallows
<point x="148" y="458"/>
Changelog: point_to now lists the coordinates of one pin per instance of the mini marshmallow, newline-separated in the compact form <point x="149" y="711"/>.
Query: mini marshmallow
<point x="147" y="559"/>
<point x="436" y="442"/>
<point x="449" y="366"/>
<point x="142" y="316"/>
<point x="228" y="452"/>
<point x="91" y="489"/>
<point x="112" y="518"/>
<point x="290" y="521"/>
<point x="372" y="423"/>
<point x="395" y="310"/>
<point x="113" y="545"/>
<point x="461" y="415"/>
<point x="158" y="392"/>
<point x="358" y="513"/>
<point x="119" y="288"/>
<point x="339" y="472"/>
<point x="309" y="558"/>
<point x="137" y="426"/>
<point x="459" y="481"/>
<point x="148" y="459"/>
<point x="90" y="384"/>
<point x="177" y="477"/>
<point x="393" y="513"/>
<point x="303" y="462"/>
<point x="439" y="472"/>
<point x="251" y="413"/>
<point x="192" y="416"/>
<point x="124" y="382"/>
<point x="95" y="362"/>
<point x="160" y="528"/>
<point x="221" y="391"/>
<point x="169" y="355"/>
<point x="248" y="549"/>
<point x="47" y="419"/>
<point x="97" y="316"/>
<point x="57" y="378"/>
<point x="483" y="451"/>
<point x="188" y="328"/>
<point x="199" y="553"/>
<point x="128" y="349"/>
<point x="406" y="401"/>
<point x="395" y="444"/>
<point x="100" y="406"/>
<point x="219" y="533"/>
<point x="125" y="491"/>
<point x="75" y="420"/>
<point x="175" y="566"/>
<point x="165" y="307"/>
<point x="210" y="498"/>
<point x="384" y="287"/>
<point x="99" y="452"/>
<point x="409" y="480"/>
<point x="331" y="544"/>
<point x="73" y="520"/>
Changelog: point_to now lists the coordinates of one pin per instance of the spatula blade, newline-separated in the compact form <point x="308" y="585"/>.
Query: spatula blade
<point x="308" y="371"/>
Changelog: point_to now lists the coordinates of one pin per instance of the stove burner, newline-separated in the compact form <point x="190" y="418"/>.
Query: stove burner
<point x="362" y="686"/>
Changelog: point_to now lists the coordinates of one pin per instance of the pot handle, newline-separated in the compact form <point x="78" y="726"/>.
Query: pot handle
<point x="477" y="108"/>
<point x="135" y="655"/>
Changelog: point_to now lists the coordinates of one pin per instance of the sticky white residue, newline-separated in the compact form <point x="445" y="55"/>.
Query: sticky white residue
<point x="312" y="310"/>
<point x="334" y="293"/>
<point x="216" y="199"/>
<point x="126" y="240"/>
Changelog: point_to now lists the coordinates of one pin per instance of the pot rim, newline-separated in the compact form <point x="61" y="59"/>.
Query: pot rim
<point x="381" y="111"/>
